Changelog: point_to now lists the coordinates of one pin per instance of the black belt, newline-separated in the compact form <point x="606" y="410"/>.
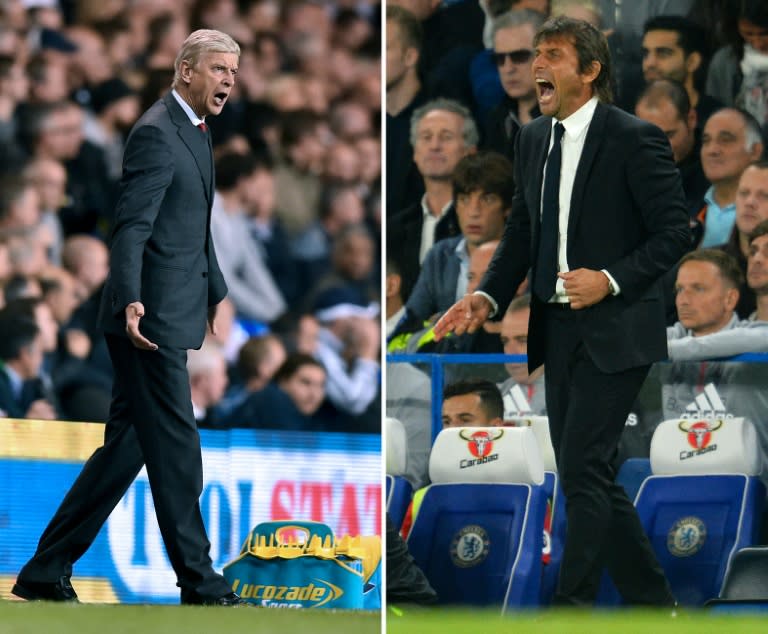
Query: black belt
<point x="559" y="306"/>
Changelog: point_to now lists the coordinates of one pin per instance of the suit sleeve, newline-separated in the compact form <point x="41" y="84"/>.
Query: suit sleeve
<point x="657" y="193"/>
<point x="148" y="166"/>
<point x="422" y="302"/>
<point x="217" y="287"/>
<point x="511" y="261"/>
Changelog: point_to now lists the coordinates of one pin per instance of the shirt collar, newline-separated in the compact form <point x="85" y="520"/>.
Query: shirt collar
<point x="16" y="381"/>
<point x="709" y="198"/>
<point x="427" y="212"/>
<point x="461" y="250"/>
<point x="576" y="123"/>
<point x="187" y="109"/>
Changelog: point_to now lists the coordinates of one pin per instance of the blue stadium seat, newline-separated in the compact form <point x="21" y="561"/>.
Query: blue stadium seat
<point x="398" y="490"/>
<point x="553" y="551"/>
<point x="554" y="538"/>
<point x="696" y="524"/>
<point x="477" y="532"/>
<point x="745" y="588"/>
<point x="399" y="493"/>
<point x="703" y="503"/>
<point x="632" y="473"/>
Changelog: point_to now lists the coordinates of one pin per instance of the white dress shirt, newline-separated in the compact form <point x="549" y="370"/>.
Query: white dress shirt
<point x="428" y="226"/>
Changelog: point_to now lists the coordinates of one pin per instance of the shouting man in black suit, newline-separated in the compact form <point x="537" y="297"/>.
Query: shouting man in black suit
<point x="599" y="215"/>
<point x="164" y="284"/>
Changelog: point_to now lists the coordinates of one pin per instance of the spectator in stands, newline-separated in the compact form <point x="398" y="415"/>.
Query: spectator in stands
<point x="348" y="347"/>
<point x="442" y="133"/>
<point x="675" y="48"/>
<point x="208" y="381"/>
<point x="731" y="141"/>
<point x="21" y="353"/>
<point x="14" y="91"/>
<point x="290" y="402"/>
<point x="664" y="102"/>
<point x="87" y="259"/>
<point x="47" y="79"/>
<point x="297" y="175"/>
<point x="266" y="230"/>
<point x="523" y="392"/>
<point x="393" y="297"/>
<point x="352" y="267"/>
<point x="49" y="178"/>
<point x="257" y="361"/>
<point x="116" y="107"/>
<point x="404" y="94"/>
<point x="707" y="284"/>
<point x="468" y="403"/>
<point x="483" y="185"/>
<point x="452" y="35"/>
<point x="757" y="270"/>
<point x="751" y="210"/>
<point x="251" y="285"/>
<point x="512" y="54"/>
<point x="737" y="75"/>
<point x="56" y="131"/>
<point x="19" y="205"/>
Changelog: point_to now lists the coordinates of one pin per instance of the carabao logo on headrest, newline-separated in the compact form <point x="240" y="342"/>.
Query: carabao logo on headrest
<point x="700" y="432"/>
<point x="480" y="443"/>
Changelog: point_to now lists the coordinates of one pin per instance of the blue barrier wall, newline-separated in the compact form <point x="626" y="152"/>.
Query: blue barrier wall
<point x="250" y="477"/>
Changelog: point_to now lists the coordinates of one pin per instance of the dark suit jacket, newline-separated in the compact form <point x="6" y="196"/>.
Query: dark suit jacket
<point x="435" y="290"/>
<point x="404" y="240"/>
<point x="161" y="248"/>
<point x="627" y="216"/>
<point x="10" y="406"/>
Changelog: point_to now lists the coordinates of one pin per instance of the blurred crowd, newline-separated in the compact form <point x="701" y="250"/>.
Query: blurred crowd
<point x="296" y="218"/>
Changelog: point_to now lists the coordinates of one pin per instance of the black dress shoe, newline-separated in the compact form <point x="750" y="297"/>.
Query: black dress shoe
<point x="230" y="599"/>
<point x="60" y="590"/>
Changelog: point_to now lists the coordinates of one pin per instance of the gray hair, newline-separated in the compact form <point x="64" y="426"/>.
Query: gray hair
<point x="517" y="17"/>
<point x="200" y="42"/>
<point x="469" y="131"/>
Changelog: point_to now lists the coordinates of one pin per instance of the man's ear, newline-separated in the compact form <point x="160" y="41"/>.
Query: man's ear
<point x="593" y="72"/>
<point x="185" y="71"/>
<point x="693" y="62"/>
<point x="732" y="298"/>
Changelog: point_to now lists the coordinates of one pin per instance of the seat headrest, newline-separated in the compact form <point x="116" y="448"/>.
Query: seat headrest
<point x="705" y="445"/>
<point x="540" y="427"/>
<point x="486" y="454"/>
<point x="396" y="444"/>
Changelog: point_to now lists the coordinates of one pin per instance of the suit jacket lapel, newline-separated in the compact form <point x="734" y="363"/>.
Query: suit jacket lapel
<point x="595" y="135"/>
<point x="196" y="143"/>
<point x="541" y="151"/>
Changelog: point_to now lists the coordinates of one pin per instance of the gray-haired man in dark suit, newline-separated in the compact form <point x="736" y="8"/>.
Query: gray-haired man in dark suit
<point x="164" y="284"/>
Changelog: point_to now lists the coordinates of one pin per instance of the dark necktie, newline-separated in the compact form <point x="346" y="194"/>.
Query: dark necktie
<point x="545" y="275"/>
<point x="203" y="127"/>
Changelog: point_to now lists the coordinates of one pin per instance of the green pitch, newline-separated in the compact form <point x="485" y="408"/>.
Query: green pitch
<point x="50" y="618"/>
<point x="448" y="621"/>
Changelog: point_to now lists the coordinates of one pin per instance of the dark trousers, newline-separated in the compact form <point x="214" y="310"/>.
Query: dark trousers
<point x="150" y="422"/>
<point x="587" y="410"/>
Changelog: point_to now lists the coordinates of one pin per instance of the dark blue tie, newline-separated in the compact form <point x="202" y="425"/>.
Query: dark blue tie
<point x="545" y="274"/>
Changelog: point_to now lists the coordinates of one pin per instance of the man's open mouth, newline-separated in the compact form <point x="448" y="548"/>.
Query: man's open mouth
<point x="219" y="98"/>
<point x="546" y="88"/>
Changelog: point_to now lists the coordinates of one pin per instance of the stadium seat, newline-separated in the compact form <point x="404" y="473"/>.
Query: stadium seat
<point x="704" y="501"/>
<point x="746" y="583"/>
<point x="477" y="534"/>
<point x="632" y="473"/>
<point x="554" y="533"/>
<point x="554" y="536"/>
<point x="398" y="489"/>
